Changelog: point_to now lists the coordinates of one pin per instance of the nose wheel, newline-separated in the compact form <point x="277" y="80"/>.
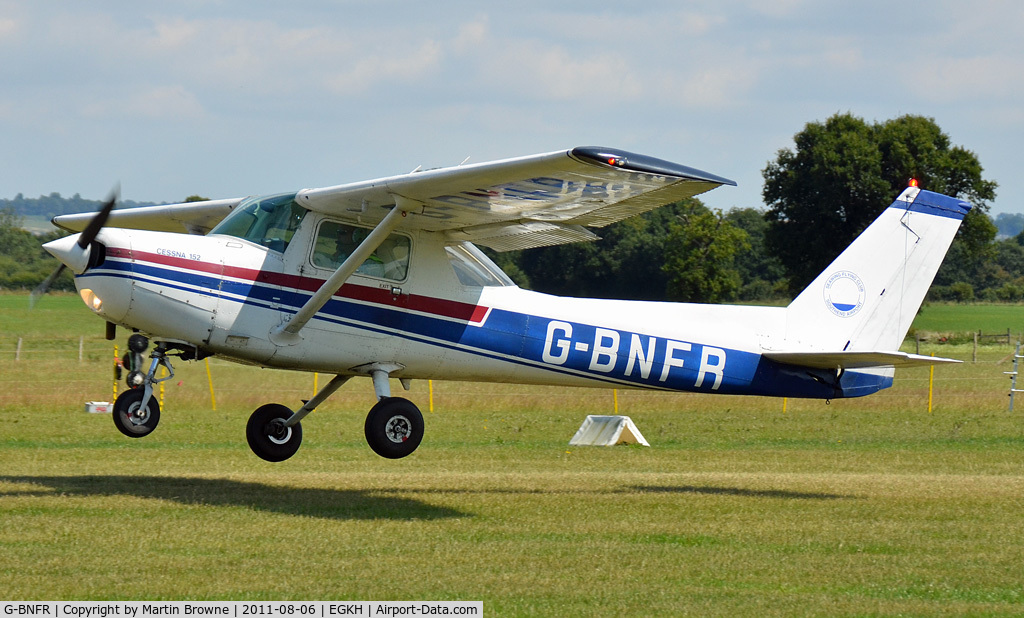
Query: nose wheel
<point x="131" y="418"/>
<point x="137" y="411"/>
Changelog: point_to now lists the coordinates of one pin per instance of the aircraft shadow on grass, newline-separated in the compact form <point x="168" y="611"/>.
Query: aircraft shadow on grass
<point x="742" y="492"/>
<point x="654" y="489"/>
<point x="302" y="501"/>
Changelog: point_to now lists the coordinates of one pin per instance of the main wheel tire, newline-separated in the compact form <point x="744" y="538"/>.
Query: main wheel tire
<point x="394" y="427"/>
<point x="131" y="419"/>
<point x="267" y="435"/>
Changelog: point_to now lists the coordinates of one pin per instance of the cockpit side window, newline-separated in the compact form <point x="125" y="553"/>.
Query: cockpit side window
<point x="269" y="221"/>
<point x="335" y="241"/>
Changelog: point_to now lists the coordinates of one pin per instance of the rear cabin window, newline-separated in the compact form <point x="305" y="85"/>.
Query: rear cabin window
<point x="473" y="268"/>
<point x="336" y="241"/>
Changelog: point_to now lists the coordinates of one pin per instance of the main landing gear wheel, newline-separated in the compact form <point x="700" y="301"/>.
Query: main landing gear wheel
<point x="131" y="419"/>
<point x="394" y="427"/>
<point x="267" y="435"/>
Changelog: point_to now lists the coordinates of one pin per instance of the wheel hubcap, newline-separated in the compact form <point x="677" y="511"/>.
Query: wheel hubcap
<point x="277" y="432"/>
<point x="398" y="429"/>
<point x="136" y="415"/>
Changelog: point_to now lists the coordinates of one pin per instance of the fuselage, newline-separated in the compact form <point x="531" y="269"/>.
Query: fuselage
<point x="443" y="315"/>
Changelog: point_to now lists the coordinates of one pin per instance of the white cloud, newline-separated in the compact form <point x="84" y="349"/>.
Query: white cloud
<point x="551" y="72"/>
<point x="156" y="103"/>
<point x="471" y="35"/>
<point x="8" y="27"/>
<point x="369" y="70"/>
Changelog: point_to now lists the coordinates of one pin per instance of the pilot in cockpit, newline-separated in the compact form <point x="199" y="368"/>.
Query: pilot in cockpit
<point x="348" y="238"/>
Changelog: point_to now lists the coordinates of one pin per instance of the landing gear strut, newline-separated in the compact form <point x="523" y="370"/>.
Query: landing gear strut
<point x="136" y="412"/>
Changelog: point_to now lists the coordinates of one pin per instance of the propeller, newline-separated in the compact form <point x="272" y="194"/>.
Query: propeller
<point x="75" y="254"/>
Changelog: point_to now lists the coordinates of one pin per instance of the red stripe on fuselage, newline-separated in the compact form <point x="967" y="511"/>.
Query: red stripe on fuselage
<point x="426" y="304"/>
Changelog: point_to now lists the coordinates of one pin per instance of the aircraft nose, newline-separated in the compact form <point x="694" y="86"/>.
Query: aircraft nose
<point x="69" y="253"/>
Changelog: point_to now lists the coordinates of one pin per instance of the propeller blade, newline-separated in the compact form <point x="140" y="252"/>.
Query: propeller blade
<point x="94" y="227"/>
<point x="66" y="251"/>
<point x="44" y="287"/>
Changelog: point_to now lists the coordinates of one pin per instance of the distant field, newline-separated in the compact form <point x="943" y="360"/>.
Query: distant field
<point x="740" y="507"/>
<point x="959" y="318"/>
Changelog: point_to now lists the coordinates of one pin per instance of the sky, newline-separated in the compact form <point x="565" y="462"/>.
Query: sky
<point x="229" y="98"/>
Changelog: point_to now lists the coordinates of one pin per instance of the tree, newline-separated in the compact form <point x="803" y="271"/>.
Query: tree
<point x="626" y="263"/>
<point x="760" y="270"/>
<point x="700" y="256"/>
<point x="845" y="171"/>
<point x="23" y="261"/>
<point x="1009" y="224"/>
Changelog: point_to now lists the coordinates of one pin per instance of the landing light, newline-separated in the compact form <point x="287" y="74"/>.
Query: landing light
<point x="91" y="300"/>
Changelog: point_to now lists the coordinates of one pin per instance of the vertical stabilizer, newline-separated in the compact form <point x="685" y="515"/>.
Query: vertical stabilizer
<point x="868" y="297"/>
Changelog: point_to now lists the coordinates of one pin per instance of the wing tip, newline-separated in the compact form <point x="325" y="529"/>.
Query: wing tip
<point x="633" y="162"/>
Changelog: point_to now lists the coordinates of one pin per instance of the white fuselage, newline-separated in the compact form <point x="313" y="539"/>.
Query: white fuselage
<point x="225" y="296"/>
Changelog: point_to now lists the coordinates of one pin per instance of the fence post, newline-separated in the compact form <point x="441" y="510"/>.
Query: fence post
<point x="974" y="356"/>
<point x="81" y="346"/>
<point x="931" y="383"/>
<point x="1013" y="374"/>
<point x="17" y="352"/>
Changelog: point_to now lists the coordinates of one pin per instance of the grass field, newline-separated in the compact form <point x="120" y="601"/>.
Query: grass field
<point x="869" y="506"/>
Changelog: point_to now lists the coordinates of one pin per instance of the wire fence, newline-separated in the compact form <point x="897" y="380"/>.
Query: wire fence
<point x="22" y="355"/>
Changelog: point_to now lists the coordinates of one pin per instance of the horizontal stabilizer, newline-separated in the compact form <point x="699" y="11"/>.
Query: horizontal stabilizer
<point x="855" y="360"/>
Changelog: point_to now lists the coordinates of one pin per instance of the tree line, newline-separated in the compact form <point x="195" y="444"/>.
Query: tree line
<point x="838" y="176"/>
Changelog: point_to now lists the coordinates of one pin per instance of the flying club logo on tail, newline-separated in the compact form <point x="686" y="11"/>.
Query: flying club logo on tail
<point x="844" y="293"/>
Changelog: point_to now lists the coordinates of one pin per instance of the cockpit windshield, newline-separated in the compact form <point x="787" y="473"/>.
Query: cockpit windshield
<point x="269" y="221"/>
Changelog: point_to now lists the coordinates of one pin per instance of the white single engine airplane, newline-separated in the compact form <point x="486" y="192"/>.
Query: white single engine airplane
<point x="382" y="279"/>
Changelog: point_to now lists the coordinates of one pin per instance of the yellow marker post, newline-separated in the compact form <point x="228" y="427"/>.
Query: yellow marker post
<point x="615" y="398"/>
<point x="116" y="358"/>
<point x="209" y="378"/>
<point x="316" y="378"/>
<point x="784" y="401"/>
<point x="931" y="381"/>
<point x="430" y="391"/>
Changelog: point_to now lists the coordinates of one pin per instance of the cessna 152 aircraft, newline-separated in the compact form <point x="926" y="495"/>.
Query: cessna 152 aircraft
<point x="382" y="278"/>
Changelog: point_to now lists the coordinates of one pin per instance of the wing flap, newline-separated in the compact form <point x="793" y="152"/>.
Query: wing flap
<point x="522" y="235"/>
<point x="855" y="360"/>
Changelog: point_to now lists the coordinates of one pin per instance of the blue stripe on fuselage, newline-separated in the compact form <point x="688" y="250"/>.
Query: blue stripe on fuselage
<point x="570" y="348"/>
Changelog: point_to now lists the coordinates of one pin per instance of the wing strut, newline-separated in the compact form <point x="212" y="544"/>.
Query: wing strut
<point x="287" y="333"/>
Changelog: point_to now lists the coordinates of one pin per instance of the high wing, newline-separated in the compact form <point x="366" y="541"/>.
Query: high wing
<point x="191" y="217"/>
<point x="533" y="201"/>
<point x="855" y="360"/>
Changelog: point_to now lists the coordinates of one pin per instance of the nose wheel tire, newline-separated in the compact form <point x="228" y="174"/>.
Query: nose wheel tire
<point x="394" y="427"/>
<point x="131" y="419"/>
<point x="268" y="438"/>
